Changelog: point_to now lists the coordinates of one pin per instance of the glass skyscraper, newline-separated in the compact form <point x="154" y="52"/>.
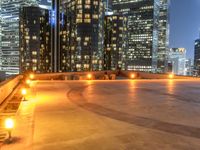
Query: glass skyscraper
<point x="197" y="56"/>
<point x="145" y="30"/>
<point x="163" y="36"/>
<point x="177" y="57"/>
<point x="9" y="60"/>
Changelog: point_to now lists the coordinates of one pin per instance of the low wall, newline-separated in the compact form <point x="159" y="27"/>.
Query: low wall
<point x="146" y="75"/>
<point x="71" y="75"/>
<point x="7" y="87"/>
<point x="99" y="75"/>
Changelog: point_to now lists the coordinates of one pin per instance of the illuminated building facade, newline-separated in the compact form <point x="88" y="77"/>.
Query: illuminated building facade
<point x="197" y="56"/>
<point x="163" y="36"/>
<point x="115" y="42"/>
<point x="189" y="64"/>
<point x="177" y="57"/>
<point x="0" y="35"/>
<point x="83" y="34"/>
<point x="147" y="33"/>
<point x="10" y="34"/>
<point x="35" y="40"/>
<point x="143" y="18"/>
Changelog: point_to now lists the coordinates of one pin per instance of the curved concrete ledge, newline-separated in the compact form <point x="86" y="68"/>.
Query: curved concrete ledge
<point x="7" y="87"/>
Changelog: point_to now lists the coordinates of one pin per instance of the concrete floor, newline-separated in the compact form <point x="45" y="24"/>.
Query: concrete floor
<point x="109" y="115"/>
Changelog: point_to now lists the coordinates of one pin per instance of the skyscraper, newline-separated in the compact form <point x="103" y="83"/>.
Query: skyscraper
<point x="35" y="40"/>
<point x="115" y="42"/>
<point x="197" y="56"/>
<point x="10" y="34"/>
<point x="147" y="33"/>
<point x="163" y="36"/>
<point x="0" y="35"/>
<point x="83" y="35"/>
<point x="177" y="57"/>
<point x="143" y="22"/>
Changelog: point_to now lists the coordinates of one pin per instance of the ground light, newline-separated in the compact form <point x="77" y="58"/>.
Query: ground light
<point x="28" y="81"/>
<point x="89" y="76"/>
<point x="31" y="76"/>
<point x="23" y="92"/>
<point x="9" y="125"/>
<point x="132" y="76"/>
<point x="171" y="75"/>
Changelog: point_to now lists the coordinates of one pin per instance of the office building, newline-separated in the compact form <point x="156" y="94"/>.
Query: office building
<point x="0" y="36"/>
<point x="197" y="57"/>
<point x="147" y="33"/>
<point x="189" y="67"/>
<point x="35" y="40"/>
<point x="142" y="32"/>
<point x="163" y="36"/>
<point x="115" y="42"/>
<point x="177" y="57"/>
<point x="84" y="35"/>
<point x="10" y="34"/>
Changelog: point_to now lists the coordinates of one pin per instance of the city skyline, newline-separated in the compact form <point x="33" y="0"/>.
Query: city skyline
<point x="177" y="36"/>
<point x="147" y="41"/>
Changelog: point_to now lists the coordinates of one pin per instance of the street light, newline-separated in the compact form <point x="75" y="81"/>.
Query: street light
<point x="171" y="75"/>
<point x="23" y="92"/>
<point x="89" y="76"/>
<point x="9" y="125"/>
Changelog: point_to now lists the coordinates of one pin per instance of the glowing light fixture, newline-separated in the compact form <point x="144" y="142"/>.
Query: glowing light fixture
<point x="28" y="81"/>
<point x="171" y="75"/>
<point x="31" y="76"/>
<point x="89" y="76"/>
<point x="9" y="125"/>
<point x="132" y="76"/>
<point x="24" y="92"/>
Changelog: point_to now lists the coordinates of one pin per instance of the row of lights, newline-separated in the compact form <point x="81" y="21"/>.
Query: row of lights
<point x="132" y="76"/>
<point x="9" y="122"/>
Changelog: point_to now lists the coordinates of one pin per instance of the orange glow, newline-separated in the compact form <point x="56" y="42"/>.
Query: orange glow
<point x="28" y="81"/>
<point x="24" y="92"/>
<point x="31" y="76"/>
<point x="171" y="76"/>
<point x="9" y="123"/>
<point x="89" y="76"/>
<point x="132" y="76"/>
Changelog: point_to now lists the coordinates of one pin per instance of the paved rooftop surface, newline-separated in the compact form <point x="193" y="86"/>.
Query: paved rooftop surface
<point x="109" y="115"/>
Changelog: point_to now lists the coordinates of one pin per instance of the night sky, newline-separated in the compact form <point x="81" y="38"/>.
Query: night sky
<point x="184" y="24"/>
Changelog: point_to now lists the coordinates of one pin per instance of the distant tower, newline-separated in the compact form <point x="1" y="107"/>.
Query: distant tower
<point x="163" y="36"/>
<point x="197" y="56"/>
